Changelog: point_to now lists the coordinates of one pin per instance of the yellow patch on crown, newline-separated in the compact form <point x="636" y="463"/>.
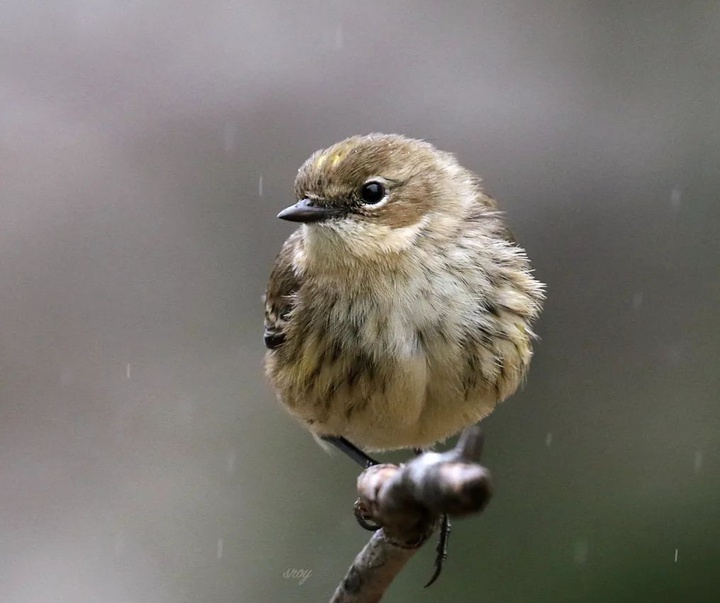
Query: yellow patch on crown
<point x="332" y="157"/>
<point x="320" y="161"/>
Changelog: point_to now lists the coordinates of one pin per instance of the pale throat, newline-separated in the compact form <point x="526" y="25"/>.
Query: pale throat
<point x="347" y="244"/>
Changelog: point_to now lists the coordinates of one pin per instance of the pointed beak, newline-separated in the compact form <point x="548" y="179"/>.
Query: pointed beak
<point x="308" y="211"/>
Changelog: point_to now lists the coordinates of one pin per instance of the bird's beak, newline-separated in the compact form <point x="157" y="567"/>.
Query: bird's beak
<point x="308" y="211"/>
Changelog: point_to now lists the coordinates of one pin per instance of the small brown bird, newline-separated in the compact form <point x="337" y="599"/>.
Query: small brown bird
<point x="401" y="311"/>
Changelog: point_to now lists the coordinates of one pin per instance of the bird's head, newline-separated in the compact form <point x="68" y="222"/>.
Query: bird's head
<point x="370" y="196"/>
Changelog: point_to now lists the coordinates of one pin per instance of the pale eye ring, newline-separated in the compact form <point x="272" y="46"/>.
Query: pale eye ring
<point x="372" y="192"/>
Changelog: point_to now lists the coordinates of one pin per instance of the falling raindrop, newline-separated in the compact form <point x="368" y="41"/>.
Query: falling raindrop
<point x="229" y="132"/>
<point x="127" y="370"/>
<point x="637" y="300"/>
<point x="676" y="197"/>
<point x="676" y="555"/>
<point x="185" y="412"/>
<point x="673" y="354"/>
<point x="580" y="554"/>
<point x="260" y="186"/>
<point x="66" y="377"/>
<point x="119" y="544"/>
<point x="230" y="462"/>
<point x="698" y="461"/>
<point x="339" y="41"/>
<point x="220" y="546"/>
<point x="548" y="439"/>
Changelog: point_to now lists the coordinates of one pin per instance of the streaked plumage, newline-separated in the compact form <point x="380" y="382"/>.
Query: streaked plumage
<point x="397" y="324"/>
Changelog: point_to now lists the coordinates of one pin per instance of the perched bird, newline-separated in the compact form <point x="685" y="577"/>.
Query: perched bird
<point x="401" y="311"/>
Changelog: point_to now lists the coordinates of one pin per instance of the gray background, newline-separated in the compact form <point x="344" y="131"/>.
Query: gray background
<point x="145" y="148"/>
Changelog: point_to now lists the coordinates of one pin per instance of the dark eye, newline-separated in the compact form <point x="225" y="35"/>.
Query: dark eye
<point x="372" y="192"/>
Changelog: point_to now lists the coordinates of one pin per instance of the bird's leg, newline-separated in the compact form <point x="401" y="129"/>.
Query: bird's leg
<point x="349" y="449"/>
<point x="442" y="549"/>
<point x="443" y="540"/>
<point x="365" y="461"/>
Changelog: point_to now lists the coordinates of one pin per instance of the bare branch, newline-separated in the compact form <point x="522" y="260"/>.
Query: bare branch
<point x="408" y="501"/>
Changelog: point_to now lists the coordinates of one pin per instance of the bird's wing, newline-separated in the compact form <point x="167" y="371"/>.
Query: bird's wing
<point x="280" y="294"/>
<point x="486" y="209"/>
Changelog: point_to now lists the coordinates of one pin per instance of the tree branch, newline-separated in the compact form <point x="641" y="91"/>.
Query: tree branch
<point x="408" y="502"/>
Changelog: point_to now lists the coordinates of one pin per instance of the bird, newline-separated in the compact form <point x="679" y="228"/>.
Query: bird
<point x="401" y="310"/>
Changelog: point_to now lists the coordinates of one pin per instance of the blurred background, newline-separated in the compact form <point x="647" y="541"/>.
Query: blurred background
<point x="145" y="148"/>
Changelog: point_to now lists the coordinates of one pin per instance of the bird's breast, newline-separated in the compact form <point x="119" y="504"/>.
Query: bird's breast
<point x="403" y="360"/>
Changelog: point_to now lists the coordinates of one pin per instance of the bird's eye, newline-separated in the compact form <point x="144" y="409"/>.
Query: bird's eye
<point x="372" y="192"/>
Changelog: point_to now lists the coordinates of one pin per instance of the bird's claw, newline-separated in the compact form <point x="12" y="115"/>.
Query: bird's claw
<point x="363" y="518"/>
<point x="441" y="550"/>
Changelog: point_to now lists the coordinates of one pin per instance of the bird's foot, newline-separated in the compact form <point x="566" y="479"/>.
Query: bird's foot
<point x="441" y="550"/>
<point x="365" y="521"/>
